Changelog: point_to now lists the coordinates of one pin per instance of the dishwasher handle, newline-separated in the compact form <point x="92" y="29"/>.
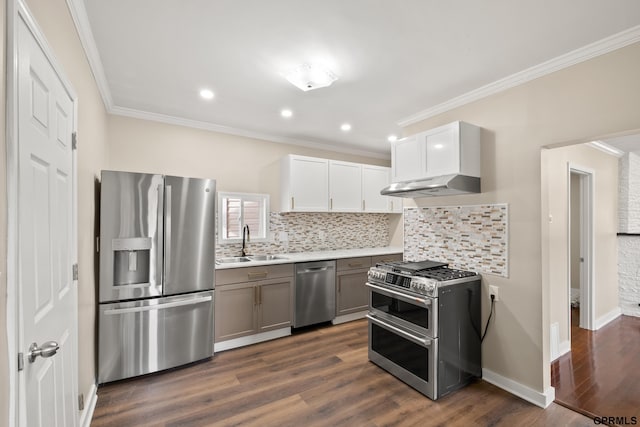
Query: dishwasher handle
<point x="314" y="269"/>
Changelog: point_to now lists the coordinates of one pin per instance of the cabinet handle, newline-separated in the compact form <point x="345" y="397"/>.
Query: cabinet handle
<point x="255" y="295"/>
<point x="391" y="205"/>
<point x="257" y="275"/>
<point x="363" y="208"/>
<point x="339" y="287"/>
<point x="331" y="204"/>
<point x="354" y="265"/>
<point x="259" y="295"/>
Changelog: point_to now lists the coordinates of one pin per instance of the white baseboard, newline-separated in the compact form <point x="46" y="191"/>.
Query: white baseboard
<point x="530" y="395"/>
<point x="251" y="339"/>
<point x="565" y="347"/>
<point x="612" y="315"/>
<point x="349" y="317"/>
<point x="89" y="406"/>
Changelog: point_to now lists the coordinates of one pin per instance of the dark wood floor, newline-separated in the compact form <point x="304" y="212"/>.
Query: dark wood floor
<point x="320" y="377"/>
<point x="601" y="375"/>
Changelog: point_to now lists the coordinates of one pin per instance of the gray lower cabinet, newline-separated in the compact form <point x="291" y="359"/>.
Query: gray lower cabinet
<point x="351" y="275"/>
<point x="351" y="294"/>
<point x="252" y="300"/>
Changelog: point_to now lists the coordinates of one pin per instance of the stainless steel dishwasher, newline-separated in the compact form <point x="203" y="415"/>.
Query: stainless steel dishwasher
<point x="314" y="293"/>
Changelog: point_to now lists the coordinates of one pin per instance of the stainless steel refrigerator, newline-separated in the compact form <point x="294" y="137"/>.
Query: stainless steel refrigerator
<point x="156" y="285"/>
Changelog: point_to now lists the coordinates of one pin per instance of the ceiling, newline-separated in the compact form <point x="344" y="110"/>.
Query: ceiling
<point x="396" y="62"/>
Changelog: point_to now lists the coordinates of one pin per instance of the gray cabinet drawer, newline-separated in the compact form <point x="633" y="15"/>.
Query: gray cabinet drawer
<point x="353" y="263"/>
<point x="250" y="274"/>
<point x="386" y="258"/>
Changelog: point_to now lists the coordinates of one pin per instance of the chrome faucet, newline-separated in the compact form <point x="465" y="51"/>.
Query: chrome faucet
<point x="246" y="237"/>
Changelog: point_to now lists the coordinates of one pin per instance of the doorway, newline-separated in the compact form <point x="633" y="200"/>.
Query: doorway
<point x="580" y="217"/>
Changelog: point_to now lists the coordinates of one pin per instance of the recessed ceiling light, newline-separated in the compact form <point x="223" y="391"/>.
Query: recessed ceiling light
<point x="438" y="146"/>
<point x="310" y="76"/>
<point x="286" y="113"/>
<point x="392" y="138"/>
<point x="346" y="127"/>
<point x="206" y="94"/>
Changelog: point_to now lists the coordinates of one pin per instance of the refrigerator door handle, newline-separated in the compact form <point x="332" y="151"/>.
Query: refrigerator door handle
<point x="160" y="237"/>
<point x="167" y="232"/>
<point x="194" y="301"/>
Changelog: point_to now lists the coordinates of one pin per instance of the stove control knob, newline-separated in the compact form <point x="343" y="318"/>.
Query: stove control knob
<point x="430" y="288"/>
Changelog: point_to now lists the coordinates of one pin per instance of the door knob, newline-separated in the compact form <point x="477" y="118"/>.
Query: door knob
<point x="48" y="349"/>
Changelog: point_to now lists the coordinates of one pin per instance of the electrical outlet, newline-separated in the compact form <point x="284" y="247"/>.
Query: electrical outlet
<point x="493" y="290"/>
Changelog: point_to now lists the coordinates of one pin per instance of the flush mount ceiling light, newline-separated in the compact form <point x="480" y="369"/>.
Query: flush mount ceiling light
<point x="206" y="94"/>
<point x="310" y="76"/>
<point x="346" y="127"/>
<point x="392" y="138"/>
<point x="286" y="113"/>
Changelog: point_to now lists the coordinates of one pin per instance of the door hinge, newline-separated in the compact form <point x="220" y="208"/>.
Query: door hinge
<point x="74" y="141"/>
<point x="81" y="402"/>
<point x="20" y="361"/>
<point x="75" y="271"/>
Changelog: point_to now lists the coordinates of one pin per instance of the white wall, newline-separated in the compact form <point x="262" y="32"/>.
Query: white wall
<point x="55" y="21"/>
<point x="593" y="99"/>
<point x="605" y="225"/>
<point x="237" y="163"/>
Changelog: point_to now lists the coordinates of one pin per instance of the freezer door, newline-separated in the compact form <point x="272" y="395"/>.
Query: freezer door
<point x="189" y="234"/>
<point x="131" y="226"/>
<point x="140" y="337"/>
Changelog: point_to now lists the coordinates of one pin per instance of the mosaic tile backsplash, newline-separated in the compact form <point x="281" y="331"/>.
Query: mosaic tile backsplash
<point x="467" y="237"/>
<point x="307" y="232"/>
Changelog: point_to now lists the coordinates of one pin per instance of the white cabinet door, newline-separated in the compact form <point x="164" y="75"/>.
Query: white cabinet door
<point x="374" y="179"/>
<point x="345" y="190"/>
<point x="309" y="184"/>
<point x="442" y="151"/>
<point x="407" y="159"/>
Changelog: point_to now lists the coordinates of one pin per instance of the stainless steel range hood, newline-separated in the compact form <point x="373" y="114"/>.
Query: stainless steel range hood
<point x="445" y="185"/>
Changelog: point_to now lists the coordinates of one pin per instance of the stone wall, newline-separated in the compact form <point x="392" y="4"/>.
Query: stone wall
<point x="467" y="237"/>
<point x="308" y="232"/>
<point x="629" y="274"/>
<point x="629" y="193"/>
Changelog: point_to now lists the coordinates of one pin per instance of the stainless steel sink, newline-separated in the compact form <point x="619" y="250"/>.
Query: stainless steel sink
<point x="265" y="257"/>
<point x="232" y="259"/>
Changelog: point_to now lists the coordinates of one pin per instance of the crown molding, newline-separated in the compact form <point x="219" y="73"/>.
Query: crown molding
<point x="317" y="145"/>
<point x="83" y="27"/>
<point x="606" y="45"/>
<point x="606" y="148"/>
<point x="81" y="21"/>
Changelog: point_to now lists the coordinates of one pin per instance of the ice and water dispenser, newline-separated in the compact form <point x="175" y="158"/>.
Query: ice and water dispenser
<point x="131" y="261"/>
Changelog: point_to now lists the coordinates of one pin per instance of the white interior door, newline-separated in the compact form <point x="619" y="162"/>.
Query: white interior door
<point x="47" y="300"/>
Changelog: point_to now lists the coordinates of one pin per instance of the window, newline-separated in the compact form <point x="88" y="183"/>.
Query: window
<point x="235" y="210"/>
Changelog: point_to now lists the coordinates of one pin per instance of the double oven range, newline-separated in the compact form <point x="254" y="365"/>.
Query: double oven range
<point x="425" y="325"/>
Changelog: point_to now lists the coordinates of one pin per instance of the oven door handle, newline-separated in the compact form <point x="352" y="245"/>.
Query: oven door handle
<point x="424" y="342"/>
<point x="399" y="295"/>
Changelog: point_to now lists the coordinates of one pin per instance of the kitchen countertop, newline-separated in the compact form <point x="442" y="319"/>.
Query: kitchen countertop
<point x="289" y="258"/>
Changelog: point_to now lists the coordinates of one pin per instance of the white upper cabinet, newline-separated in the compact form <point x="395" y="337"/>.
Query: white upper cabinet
<point x="450" y="149"/>
<point x="406" y="159"/>
<point x="310" y="184"/>
<point x="345" y="186"/>
<point x="374" y="179"/>
<point x="304" y="184"/>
